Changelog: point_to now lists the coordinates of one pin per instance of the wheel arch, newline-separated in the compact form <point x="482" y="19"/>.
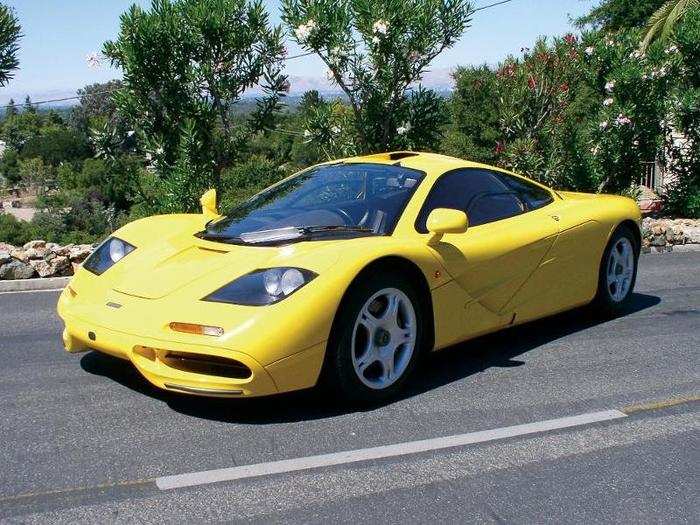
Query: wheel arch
<point x="397" y="263"/>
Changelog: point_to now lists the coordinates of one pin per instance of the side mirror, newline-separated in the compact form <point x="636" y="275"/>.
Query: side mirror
<point x="443" y="220"/>
<point x="208" y="202"/>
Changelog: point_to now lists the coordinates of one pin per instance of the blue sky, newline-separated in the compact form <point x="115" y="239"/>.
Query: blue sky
<point x="59" y="34"/>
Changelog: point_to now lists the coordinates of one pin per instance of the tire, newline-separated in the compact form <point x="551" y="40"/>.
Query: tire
<point x="365" y="323"/>
<point x="617" y="274"/>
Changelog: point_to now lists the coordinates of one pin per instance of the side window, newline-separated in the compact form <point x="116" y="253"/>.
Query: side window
<point x="532" y="195"/>
<point x="491" y="207"/>
<point x="462" y="189"/>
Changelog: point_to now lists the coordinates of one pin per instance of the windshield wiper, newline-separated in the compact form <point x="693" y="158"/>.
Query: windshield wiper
<point x="337" y="228"/>
<point x="288" y="233"/>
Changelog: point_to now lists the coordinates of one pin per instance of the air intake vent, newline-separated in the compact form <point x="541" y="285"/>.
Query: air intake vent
<point x="398" y="155"/>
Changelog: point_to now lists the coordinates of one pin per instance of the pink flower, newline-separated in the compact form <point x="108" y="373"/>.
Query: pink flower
<point x="623" y="120"/>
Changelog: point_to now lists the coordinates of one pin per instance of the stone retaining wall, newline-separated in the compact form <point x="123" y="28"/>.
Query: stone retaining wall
<point x="662" y="234"/>
<point x="41" y="259"/>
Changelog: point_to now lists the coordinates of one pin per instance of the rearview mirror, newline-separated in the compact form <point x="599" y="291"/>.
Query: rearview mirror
<point x="208" y="202"/>
<point x="443" y="220"/>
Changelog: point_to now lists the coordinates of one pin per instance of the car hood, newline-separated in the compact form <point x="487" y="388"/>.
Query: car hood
<point x="164" y="263"/>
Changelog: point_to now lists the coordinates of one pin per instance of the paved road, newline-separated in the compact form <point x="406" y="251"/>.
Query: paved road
<point x="83" y="438"/>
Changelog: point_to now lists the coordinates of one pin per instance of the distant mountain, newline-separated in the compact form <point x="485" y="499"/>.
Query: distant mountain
<point x="439" y="79"/>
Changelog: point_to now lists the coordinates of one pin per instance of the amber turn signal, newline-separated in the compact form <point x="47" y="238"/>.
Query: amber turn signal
<point x="197" y="329"/>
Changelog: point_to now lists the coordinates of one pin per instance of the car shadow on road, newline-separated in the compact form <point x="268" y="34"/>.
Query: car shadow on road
<point x="452" y="364"/>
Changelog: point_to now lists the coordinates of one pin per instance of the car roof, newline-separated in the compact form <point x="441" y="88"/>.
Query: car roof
<point x="433" y="164"/>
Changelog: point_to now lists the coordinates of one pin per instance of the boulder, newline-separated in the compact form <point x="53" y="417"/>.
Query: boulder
<point x="35" y="244"/>
<point x="80" y="252"/>
<point x="36" y="253"/>
<point x="5" y="247"/>
<point x="16" y="270"/>
<point x="56" y="267"/>
<point x="19" y="254"/>
<point x="692" y="233"/>
<point x="5" y="257"/>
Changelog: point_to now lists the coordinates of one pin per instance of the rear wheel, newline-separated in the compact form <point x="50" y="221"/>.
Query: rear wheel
<point x="376" y="339"/>
<point x="618" y="273"/>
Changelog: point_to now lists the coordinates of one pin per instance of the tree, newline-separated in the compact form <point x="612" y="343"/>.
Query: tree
<point x="10" y="33"/>
<point x="186" y="63"/>
<point x="11" y="108"/>
<point x="96" y="106"/>
<point x="28" y="106"/>
<point x="376" y="51"/>
<point x="665" y="18"/>
<point x="614" y="15"/>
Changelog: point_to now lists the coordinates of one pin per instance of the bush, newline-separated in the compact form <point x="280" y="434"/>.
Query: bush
<point x="14" y="231"/>
<point x="245" y="180"/>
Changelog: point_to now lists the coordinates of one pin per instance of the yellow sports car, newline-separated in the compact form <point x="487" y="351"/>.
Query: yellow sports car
<point x="346" y="272"/>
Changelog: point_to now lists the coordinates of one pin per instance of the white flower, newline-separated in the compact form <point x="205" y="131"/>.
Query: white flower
<point x="645" y="76"/>
<point x="603" y="125"/>
<point x="375" y="39"/>
<point x="307" y="134"/>
<point x="672" y="49"/>
<point x="93" y="61"/>
<point x="609" y="42"/>
<point x="609" y="86"/>
<point x="663" y="71"/>
<point x="636" y="143"/>
<point x="130" y="133"/>
<point x="636" y="54"/>
<point x="159" y="151"/>
<point x="304" y="30"/>
<point x="380" y="27"/>
<point x="595" y="150"/>
<point x="589" y="51"/>
<point x="329" y="75"/>
<point x="608" y="101"/>
<point x="335" y="130"/>
<point x="403" y="129"/>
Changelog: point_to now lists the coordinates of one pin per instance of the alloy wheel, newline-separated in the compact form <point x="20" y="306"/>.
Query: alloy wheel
<point x="384" y="338"/>
<point x="620" y="269"/>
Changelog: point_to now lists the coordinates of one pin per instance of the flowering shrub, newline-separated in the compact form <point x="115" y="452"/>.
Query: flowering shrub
<point x="376" y="53"/>
<point x="585" y="112"/>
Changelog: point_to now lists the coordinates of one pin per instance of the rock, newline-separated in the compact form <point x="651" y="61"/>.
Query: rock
<point x="36" y="253"/>
<point x="5" y="257"/>
<point x="19" y="254"/>
<point x="692" y="233"/>
<point x="5" y="247"/>
<point x="16" y="270"/>
<point x="35" y="244"/>
<point x="659" y="240"/>
<point x="56" y="267"/>
<point x="62" y="250"/>
<point x="80" y="252"/>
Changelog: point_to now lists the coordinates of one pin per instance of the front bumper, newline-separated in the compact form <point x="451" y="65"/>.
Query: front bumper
<point x="153" y="358"/>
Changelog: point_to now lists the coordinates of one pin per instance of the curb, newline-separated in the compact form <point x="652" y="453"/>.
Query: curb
<point x="28" y="285"/>
<point x="676" y="248"/>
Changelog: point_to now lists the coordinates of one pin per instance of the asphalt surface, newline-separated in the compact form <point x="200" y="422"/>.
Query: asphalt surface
<point x="83" y="438"/>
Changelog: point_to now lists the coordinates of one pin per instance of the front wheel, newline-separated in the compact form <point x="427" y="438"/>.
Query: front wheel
<point x="618" y="273"/>
<point x="376" y="339"/>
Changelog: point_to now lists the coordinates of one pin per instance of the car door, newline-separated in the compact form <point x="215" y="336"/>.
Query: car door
<point x="504" y="244"/>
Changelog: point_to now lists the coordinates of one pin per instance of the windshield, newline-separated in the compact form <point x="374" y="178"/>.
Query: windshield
<point x="338" y="199"/>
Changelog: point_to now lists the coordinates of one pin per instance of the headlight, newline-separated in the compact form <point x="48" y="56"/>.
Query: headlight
<point x="262" y="287"/>
<point x="107" y="254"/>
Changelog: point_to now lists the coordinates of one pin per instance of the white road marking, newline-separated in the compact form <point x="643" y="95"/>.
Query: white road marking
<point x="386" y="451"/>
